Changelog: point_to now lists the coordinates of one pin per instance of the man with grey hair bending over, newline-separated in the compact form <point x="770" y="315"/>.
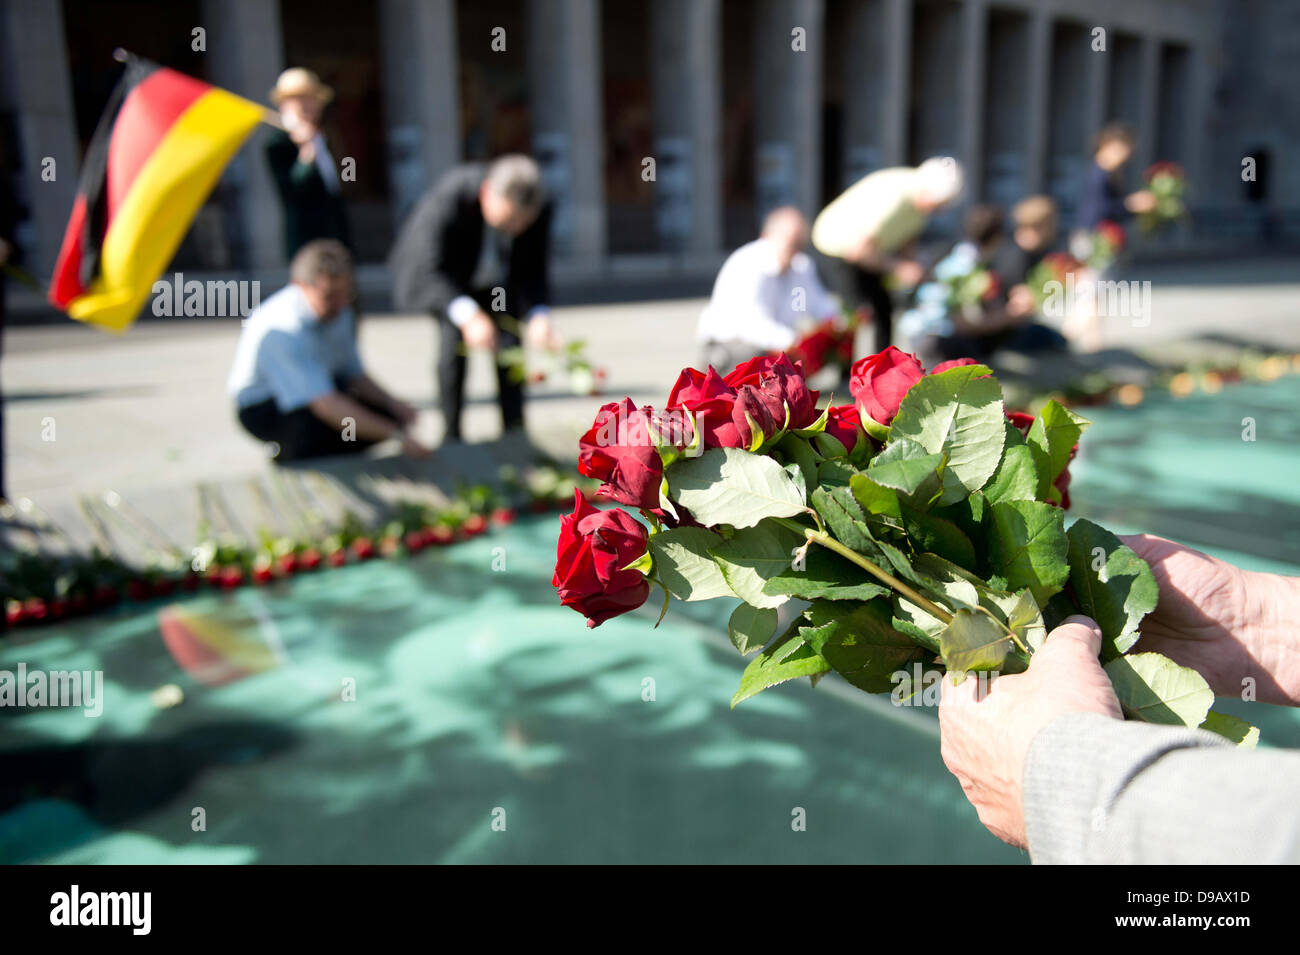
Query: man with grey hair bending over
<point x="869" y="232"/>
<point x="297" y="380"/>
<point x="474" y="254"/>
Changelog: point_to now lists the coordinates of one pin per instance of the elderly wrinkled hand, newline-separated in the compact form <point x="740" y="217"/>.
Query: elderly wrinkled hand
<point x="986" y="727"/>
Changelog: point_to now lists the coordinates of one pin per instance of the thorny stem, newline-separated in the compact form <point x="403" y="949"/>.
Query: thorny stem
<point x="829" y="542"/>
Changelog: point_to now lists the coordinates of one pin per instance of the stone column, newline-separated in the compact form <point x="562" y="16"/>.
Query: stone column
<point x="421" y="95"/>
<point x="975" y="19"/>
<point x="1038" y="73"/>
<point x="40" y="94"/>
<point x="896" y="72"/>
<point x="1148" y="103"/>
<point x="870" y="103"/>
<point x="687" y="111"/>
<point x="564" y="81"/>
<point x="245" y="55"/>
<point x="789" y="49"/>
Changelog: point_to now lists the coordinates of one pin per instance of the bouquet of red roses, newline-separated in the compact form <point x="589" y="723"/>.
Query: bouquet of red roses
<point x="921" y="528"/>
<point x="830" y="342"/>
<point x="1168" y="183"/>
<point x="1048" y="277"/>
<point x="1105" y="243"/>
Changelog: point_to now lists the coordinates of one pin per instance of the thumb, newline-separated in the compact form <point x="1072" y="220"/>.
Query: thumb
<point x="1077" y="638"/>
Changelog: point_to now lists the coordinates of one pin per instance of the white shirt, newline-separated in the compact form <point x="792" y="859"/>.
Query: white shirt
<point x="756" y="304"/>
<point x="285" y="352"/>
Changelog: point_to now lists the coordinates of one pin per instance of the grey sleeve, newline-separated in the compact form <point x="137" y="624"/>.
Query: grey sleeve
<point x="1100" y="790"/>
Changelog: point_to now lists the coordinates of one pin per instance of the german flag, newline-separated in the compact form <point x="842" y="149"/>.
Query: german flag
<point x="157" y="152"/>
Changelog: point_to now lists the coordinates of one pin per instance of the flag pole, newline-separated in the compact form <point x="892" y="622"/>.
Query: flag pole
<point x="269" y="116"/>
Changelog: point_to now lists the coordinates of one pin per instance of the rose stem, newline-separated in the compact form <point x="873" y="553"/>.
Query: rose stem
<point x="825" y="539"/>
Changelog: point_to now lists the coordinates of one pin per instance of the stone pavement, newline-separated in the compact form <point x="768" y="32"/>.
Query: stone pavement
<point x="145" y="414"/>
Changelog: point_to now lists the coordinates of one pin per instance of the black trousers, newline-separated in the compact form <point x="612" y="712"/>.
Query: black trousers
<point x="858" y="286"/>
<point x="451" y="377"/>
<point x="299" y="434"/>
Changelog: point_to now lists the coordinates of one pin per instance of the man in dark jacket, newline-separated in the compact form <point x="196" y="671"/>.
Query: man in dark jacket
<point x="301" y="164"/>
<point x="474" y="253"/>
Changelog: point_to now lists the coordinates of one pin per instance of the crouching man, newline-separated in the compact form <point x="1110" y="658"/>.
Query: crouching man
<point x="297" y="380"/>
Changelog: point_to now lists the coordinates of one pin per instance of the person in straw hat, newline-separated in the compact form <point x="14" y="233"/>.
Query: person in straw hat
<point x="301" y="164"/>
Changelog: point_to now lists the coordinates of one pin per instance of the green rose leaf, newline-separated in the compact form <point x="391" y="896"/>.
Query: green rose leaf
<point x="875" y="498"/>
<point x="752" y="556"/>
<point x="1054" y="433"/>
<point x="1231" y="728"/>
<point x="750" y="627"/>
<point x="959" y="414"/>
<point x="1028" y="546"/>
<point x="916" y="476"/>
<point x="797" y="451"/>
<point x="1017" y="477"/>
<point x="860" y="643"/>
<point x="788" y="659"/>
<point x="836" y="473"/>
<point x="1154" y="688"/>
<point x="974" y="641"/>
<point x="683" y="563"/>
<point x="843" y="516"/>
<point x="934" y="534"/>
<point x="824" y="575"/>
<point x="730" y="486"/>
<point x="1112" y="584"/>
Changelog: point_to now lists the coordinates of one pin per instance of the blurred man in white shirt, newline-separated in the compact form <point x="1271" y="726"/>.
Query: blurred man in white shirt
<point x="764" y="292"/>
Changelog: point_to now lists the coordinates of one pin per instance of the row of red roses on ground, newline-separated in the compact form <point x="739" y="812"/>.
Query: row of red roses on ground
<point x="626" y="448"/>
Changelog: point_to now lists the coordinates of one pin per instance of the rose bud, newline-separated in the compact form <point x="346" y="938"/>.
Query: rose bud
<point x="594" y="548"/>
<point x="337" y="557"/>
<point x="442" y="535"/>
<point x="287" y="563"/>
<point x="955" y="363"/>
<point x="756" y="409"/>
<point x="710" y="400"/>
<point x="844" y="425"/>
<point x="232" y="577"/>
<point x="503" y="516"/>
<point x="474" y="525"/>
<point x="34" y="608"/>
<point x="262" y="573"/>
<point x="363" y="548"/>
<point x="309" y="559"/>
<point x="415" y="541"/>
<point x="618" y="451"/>
<point x="783" y="384"/>
<point x="879" y="382"/>
<point x="14" y="613"/>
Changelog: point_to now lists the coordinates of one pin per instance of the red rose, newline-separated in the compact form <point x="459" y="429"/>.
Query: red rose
<point x="879" y="382"/>
<point x="955" y="363"/>
<point x="843" y="424"/>
<point x="710" y="400"/>
<point x="594" y="548"/>
<point x="618" y="451"/>
<point x="765" y="388"/>
<point x="1021" y="420"/>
